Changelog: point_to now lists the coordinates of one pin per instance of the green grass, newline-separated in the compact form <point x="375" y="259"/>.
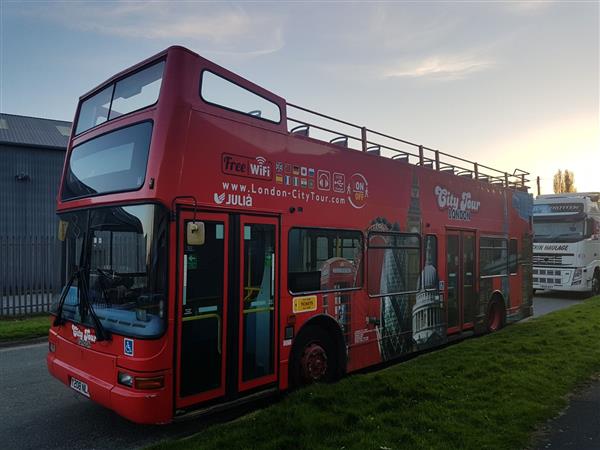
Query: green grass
<point x="24" y="328"/>
<point x="485" y="393"/>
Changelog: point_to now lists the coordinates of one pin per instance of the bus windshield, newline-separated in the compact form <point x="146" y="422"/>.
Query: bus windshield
<point x="113" y="162"/>
<point x="559" y="231"/>
<point x="121" y="252"/>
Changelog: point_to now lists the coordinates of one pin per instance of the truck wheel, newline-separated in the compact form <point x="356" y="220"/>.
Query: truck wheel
<point x="313" y="358"/>
<point x="495" y="319"/>
<point x="596" y="283"/>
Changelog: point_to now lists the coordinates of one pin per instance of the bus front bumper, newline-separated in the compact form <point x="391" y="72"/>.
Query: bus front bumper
<point x="144" y="407"/>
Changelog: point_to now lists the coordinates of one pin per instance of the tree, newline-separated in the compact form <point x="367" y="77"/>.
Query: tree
<point x="564" y="182"/>
<point x="569" y="181"/>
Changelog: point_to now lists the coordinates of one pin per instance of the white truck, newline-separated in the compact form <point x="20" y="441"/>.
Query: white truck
<point x="566" y="242"/>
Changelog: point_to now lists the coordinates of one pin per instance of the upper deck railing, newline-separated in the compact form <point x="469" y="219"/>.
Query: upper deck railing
<point x="355" y="137"/>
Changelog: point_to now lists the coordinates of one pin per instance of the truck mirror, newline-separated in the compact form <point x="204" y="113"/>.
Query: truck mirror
<point x="62" y="230"/>
<point x="195" y="233"/>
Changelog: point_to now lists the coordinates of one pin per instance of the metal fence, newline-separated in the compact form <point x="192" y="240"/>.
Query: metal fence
<point x="30" y="275"/>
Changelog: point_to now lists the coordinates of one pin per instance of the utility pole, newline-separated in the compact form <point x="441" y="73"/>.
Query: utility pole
<point x="538" y="185"/>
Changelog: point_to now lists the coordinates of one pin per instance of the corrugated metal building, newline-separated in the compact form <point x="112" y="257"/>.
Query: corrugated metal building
<point x="32" y="151"/>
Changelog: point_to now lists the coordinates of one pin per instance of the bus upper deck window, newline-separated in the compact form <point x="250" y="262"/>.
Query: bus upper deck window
<point x="134" y="92"/>
<point x="226" y="94"/>
<point x="137" y="91"/>
<point x="94" y="111"/>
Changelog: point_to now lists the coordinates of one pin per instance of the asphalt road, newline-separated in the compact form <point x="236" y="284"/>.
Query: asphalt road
<point x="37" y="411"/>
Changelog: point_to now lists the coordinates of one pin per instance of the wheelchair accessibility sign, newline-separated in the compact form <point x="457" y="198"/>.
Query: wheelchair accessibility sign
<point x="128" y="347"/>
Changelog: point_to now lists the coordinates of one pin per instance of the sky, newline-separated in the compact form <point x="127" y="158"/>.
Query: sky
<point x="510" y="84"/>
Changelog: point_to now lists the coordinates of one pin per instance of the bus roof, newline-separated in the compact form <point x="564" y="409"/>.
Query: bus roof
<point x="310" y="124"/>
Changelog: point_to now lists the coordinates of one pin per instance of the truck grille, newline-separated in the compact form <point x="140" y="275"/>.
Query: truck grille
<point x="547" y="276"/>
<point x="542" y="259"/>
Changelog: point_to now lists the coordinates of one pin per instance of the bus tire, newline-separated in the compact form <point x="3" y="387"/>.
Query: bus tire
<point x="496" y="317"/>
<point x="596" y="283"/>
<point x="313" y="358"/>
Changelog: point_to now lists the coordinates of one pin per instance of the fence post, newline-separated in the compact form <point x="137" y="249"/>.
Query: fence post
<point x="421" y="158"/>
<point x="363" y="137"/>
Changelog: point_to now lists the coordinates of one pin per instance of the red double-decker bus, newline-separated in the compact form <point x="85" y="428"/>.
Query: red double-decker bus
<point x="222" y="244"/>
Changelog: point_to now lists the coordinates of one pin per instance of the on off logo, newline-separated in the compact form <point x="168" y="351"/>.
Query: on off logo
<point x="242" y="166"/>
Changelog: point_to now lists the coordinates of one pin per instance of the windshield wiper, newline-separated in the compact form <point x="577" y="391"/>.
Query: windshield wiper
<point x="101" y="333"/>
<point x="84" y="301"/>
<point x="58" y="320"/>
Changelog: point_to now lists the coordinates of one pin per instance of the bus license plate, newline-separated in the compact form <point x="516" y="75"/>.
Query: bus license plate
<point x="80" y="386"/>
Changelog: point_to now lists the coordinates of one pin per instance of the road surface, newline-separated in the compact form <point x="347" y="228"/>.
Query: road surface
<point x="39" y="412"/>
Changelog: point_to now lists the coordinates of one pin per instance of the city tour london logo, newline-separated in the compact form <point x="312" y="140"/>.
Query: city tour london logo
<point x="460" y="207"/>
<point x="84" y="338"/>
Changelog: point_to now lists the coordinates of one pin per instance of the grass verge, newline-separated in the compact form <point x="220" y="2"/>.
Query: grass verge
<point x="24" y="328"/>
<point x="488" y="392"/>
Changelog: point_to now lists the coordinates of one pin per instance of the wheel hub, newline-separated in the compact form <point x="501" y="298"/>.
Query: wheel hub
<point x="314" y="362"/>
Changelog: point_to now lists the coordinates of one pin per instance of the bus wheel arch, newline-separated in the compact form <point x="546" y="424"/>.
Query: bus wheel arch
<point x="496" y="315"/>
<point x="318" y="352"/>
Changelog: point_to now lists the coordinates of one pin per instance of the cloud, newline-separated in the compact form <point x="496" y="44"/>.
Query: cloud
<point x="441" y="67"/>
<point x="217" y="28"/>
<point x="526" y="6"/>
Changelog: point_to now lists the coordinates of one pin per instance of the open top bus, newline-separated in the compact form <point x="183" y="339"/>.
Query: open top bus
<point x="222" y="244"/>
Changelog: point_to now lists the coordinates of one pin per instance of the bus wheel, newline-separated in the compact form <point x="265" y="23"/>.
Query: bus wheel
<point x="314" y="358"/>
<point x="495" y="316"/>
<point x="596" y="283"/>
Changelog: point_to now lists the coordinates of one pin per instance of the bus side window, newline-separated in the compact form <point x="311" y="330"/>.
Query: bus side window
<point x="394" y="263"/>
<point x="324" y="259"/>
<point x="513" y="257"/>
<point x="493" y="260"/>
<point x="221" y="92"/>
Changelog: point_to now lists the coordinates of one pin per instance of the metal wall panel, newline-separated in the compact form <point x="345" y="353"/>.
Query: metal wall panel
<point x="30" y="253"/>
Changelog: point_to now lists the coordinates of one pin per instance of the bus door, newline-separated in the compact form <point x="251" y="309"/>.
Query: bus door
<point x="227" y="307"/>
<point x="256" y="302"/>
<point x="461" y="273"/>
<point x="202" y="310"/>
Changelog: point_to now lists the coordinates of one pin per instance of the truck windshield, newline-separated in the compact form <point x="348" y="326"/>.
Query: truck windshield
<point x="122" y="254"/>
<point x="558" y="231"/>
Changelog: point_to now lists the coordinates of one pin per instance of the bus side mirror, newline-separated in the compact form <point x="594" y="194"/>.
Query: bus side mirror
<point x="62" y="230"/>
<point x="195" y="233"/>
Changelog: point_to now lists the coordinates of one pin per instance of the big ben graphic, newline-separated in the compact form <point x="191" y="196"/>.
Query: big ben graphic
<point x="413" y="220"/>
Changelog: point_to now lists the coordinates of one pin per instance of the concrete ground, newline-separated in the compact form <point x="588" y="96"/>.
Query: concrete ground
<point x="578" y="426"/>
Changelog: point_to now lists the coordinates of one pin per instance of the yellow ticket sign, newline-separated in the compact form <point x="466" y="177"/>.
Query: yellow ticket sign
<point x="305" y="303"/>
